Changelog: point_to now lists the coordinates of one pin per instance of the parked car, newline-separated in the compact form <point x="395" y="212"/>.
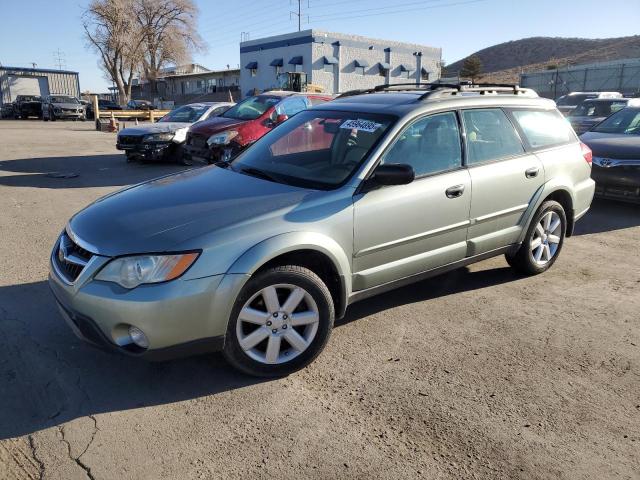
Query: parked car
<point x="258" y="256"/>
<point x="140" y="105"/>
<point x="567" y="103"/>
<point x="225" y="136"/>
<point x="7" y="110"/>
<point x="591" y="112"/>
<point x="615" y="143"/>
<point x="26" y="106"/>
<point x="103" y="104"/>
<point x="62" y="107"/>
<point x="164" y="139"/>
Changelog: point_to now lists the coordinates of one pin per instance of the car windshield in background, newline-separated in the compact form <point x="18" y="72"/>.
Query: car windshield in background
<point x="64" y="99"/>
<point x="591" y="108"/>
<point x="625" y="122"/>
<point x="186" y="114"/>
<point x="251" y="108"/>
<point x="314" y="149"/>
<point x="573" y="99"/>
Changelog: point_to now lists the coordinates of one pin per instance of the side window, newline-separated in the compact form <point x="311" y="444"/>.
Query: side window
<point x="490" y="135"/>
<point x="292" y="105"/>
<point x="430" y="145"/>
<point x="544" y="128"/>
<point x="217" y="111"/>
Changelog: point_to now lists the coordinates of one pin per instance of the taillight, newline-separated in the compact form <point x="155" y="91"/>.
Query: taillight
<point x="586" y="153"/>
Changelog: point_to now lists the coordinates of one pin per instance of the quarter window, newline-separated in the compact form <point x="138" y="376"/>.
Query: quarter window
<point x="544" y="128"/>
<point x="430" y="145"/>
<point x="490" y="135"/>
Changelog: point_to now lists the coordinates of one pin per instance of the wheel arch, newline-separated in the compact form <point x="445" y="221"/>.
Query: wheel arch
<point x="318" y="252"/>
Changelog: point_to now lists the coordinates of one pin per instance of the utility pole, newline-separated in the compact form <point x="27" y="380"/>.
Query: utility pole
<point x="58" y="59"/>
<point x="299" y="14"/>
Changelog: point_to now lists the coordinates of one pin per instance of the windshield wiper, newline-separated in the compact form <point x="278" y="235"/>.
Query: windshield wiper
<point x="254" y="172"/>
<point x="223" y="164"/>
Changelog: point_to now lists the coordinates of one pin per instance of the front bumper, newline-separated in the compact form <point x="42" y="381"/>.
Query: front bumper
<point x="64" y="114"/>
<point x="619" y="180"/>
<point x="149" y="150"/>
<point x="179" y="318"/>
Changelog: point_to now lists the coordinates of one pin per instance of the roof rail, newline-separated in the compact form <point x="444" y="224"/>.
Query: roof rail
<point x="435" y="90"/>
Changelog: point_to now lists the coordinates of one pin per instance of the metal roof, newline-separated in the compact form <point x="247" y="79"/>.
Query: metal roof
<point x="36" y="70"/>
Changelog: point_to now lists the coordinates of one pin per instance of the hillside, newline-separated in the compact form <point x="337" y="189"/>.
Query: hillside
<point x="509" y="57"/>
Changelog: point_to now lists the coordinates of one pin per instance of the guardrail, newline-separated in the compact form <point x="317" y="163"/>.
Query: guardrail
<point x="150" y="115"/>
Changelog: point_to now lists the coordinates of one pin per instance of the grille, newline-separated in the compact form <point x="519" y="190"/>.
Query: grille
<point x="71" y="258"/>
<point x="130" y="139"/>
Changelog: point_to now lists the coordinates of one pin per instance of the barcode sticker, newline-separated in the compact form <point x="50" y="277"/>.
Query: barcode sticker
<point x="361" y="125"/>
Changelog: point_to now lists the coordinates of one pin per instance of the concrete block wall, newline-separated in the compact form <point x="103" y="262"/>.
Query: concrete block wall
<point x="314" y="45"/>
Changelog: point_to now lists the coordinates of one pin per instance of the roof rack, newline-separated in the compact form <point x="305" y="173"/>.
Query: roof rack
<point x="437" y="90"/>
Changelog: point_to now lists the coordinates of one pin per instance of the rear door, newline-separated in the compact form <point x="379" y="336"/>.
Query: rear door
<point x="504" y="178"/>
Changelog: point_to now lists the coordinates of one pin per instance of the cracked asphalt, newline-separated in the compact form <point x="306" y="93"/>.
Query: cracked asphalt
<point x="475" y="374"/>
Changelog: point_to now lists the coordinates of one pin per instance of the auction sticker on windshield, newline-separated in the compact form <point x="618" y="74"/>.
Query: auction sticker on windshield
<point x="361" y="125"/>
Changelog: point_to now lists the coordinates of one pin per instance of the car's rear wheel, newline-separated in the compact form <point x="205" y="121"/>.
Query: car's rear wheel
<point x="280" y="322"/>
<point x="543" y="241"/>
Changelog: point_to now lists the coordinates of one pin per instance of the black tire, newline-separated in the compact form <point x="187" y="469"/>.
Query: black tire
<point x="523" y="260"/>
<point x="286" y="274"/>
<point x="52" y="116"/>
<point x="46" y="119"/>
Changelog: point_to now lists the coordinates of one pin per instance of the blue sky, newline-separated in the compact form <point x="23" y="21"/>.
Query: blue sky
<point x="32" y="30"/>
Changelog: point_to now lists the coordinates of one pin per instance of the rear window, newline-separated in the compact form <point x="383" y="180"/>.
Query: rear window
<point x="544" y="128"/>
<point x="569" y="100"/>
<point x="598" y="108"/>
<point x="490" y="135"/>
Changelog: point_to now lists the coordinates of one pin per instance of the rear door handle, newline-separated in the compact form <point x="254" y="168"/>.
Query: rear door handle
<point x="455" y="191"/>
<point x="532" y="172"/>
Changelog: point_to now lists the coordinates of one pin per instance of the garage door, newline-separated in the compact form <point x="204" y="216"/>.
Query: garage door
<point x="27" y="86"/>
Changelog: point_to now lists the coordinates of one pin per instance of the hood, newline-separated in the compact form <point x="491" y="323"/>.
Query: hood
<point x="215" y="125"/>
<point x="160" y="127"/>
<point x="67" y="105"/>
<point x="158" y="215"/>
<point x="613" y="145"/>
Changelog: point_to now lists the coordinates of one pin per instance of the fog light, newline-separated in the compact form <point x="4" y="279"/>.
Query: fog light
<point x="138" y="337"/>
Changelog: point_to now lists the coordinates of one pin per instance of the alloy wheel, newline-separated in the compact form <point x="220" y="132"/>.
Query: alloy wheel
<point x="546" y="238"/>
<point x="277" y="323"/>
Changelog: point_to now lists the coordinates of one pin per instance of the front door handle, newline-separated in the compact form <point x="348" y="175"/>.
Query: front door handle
<point x="532" y="172"/>
<point x="455" y="191"/>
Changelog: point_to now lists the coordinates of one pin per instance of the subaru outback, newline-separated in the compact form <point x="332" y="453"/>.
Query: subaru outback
<point x="380" y="188"/>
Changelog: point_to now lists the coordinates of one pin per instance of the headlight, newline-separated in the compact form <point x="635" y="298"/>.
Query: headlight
<point x="180" y="135"/>
<point x="158" y="137"/>
<point x="56" y="109"/>
<point x="130" y="272"/>
<point x="222" y="138"/>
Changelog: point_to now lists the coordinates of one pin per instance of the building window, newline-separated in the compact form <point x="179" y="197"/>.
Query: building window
<point x="360" y="70"/>
<point x="298" y="68"/>
<point x="328" y="68"/>
<point x="404" y="74"/>
<point x="253" y="71"/>
<point x="424" y="75"/>
<point x="278" y="69"/>
<point x="382" y="72"/>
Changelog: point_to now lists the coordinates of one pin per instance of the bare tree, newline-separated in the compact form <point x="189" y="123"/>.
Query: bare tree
<point x="112" y="30"/>
<point x="170" y="33"/>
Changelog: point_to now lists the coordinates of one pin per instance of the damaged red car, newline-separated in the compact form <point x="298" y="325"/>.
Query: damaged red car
<point x="221" y="138"/>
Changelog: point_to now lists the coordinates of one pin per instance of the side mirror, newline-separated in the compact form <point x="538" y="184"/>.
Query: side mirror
<point x="281" y="118"/>
<point x="392" y="174"/>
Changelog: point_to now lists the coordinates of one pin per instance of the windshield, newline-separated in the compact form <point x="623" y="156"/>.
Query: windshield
<point x="186" y="114"/>
<point x="315" y="149"/>
<point x="625" y="121"/>
<point x="599" y="108"/>
<point x="251" y="108"/>
<point x="569" y="100"/>
<point x="64" y="99"/>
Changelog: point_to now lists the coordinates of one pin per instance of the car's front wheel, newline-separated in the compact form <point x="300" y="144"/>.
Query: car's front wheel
<point x="280" y="322"/>
<point x="543" y="241"/>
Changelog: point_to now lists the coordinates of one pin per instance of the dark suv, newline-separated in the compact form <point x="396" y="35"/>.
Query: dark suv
<point x="223" y="137"/>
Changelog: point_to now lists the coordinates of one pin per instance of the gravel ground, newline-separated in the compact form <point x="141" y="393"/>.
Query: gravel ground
<point x="474" y="374"/>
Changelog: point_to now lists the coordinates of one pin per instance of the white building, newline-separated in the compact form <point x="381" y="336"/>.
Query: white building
<point x="337" y="62"/>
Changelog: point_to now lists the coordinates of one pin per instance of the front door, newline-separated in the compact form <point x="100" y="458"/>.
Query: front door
<point x="404" y="230"/>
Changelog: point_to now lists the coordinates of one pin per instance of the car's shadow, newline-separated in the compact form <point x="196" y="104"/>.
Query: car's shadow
<point x="48" y="376"/>
<point x="607" y="215"/>
<point x="105" y="170"/>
